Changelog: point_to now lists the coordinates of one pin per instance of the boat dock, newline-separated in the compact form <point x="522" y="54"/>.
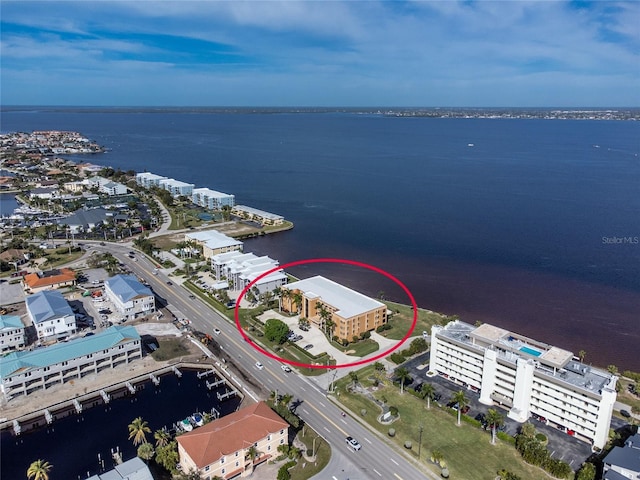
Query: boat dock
<point x="48" y="414"/>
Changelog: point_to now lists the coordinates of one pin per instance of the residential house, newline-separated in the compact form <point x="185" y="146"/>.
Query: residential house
<point x="623" y="463"/>
<point x="51" y="315"/>
<point x="55" y="278"/>
<point x="130" y="297"/>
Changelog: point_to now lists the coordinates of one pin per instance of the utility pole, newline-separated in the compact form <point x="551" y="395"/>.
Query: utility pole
<point x="420" y="441"/>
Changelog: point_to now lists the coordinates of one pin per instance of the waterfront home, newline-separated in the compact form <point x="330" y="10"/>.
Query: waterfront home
<point x="623" y="463"/>
<point x="109" y="187"/>
<point x="240" y="269"/>
<point x="232" y="446"/>
<point x="213" y="242"/>
<point x="255" y="215"/>
<point x="12" y="333"/>
<point x="351" y="312"/>
<point x="22" y="373"/>
<point x="51" y="315"/>
<point x="130" y="298"/>
<point x="529" y="378"/>
<point x="15" y="256"/>
<point x="211" y="199"/>
<point x="49" y="279"/>
<point x="134" y="469"/>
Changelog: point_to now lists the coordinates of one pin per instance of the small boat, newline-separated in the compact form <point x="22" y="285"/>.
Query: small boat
<point x="469" y="144"/>
<point x="186" y="425"/>
<point x="197" y="419"/>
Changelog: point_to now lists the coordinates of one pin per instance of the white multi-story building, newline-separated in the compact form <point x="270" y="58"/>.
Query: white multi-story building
<point x="130" y="297"/>
<point x="12" y="334"/>
<point x="240" y="269"/>
<point x="107" y="186"/>
<point x="148" y="179"/>
<point x="51" y="315"/>
<point x="22" y="373"/>
<point x="211" y="199"/>
<point x="260" y="216"/>
<point x="529" y="378"/>
<point x="177" y="187"/>
<point x="213" y="242"/>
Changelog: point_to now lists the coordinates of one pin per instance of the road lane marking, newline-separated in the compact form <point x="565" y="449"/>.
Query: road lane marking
<point x="379" y="474"/>
<point x="302" y="388"/>
<point x="397" y="476"/>
<point x="306" y="411"/>
<point x="394" y="461"/>
<point x="328" y="420"/>
<point x="323" y="405"/>
<point x="327" y="429"/>
<point x="368" y="441"/>
<point x="343" y="422"/>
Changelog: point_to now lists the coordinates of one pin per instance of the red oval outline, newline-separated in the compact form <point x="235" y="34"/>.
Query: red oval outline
<point x="326" y="260"/>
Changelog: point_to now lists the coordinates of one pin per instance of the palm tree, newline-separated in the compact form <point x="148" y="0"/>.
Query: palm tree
<point x="138" y="430"/>
<point x="284" y="294"/>
<point x="462" y="401"/>
<point x="378" y="367"/>
<point x="494" y="419"/>
<point x="285" y="399"/>
<point x="162" y="437"/>
<point x="252" y="453"/>
<point x="403" y="374"/>
<point x="39" y="470"/>
<point x="428" y="391"/>
<point x="581" y="355"/>
<point x="145" y="451"/>
<point x="296" y="299"/>
<point x="325" y="316"/>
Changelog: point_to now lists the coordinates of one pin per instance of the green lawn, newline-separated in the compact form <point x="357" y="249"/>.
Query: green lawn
<point x="403" y="317"/>
<point x="323" y="455"/>
<point x="466" y="449"/>
<point x="358" y="349"/>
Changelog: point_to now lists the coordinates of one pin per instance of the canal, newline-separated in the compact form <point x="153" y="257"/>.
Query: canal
<point x="74" y="444"/>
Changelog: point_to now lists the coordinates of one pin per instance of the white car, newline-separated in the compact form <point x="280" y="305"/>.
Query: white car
<point x="259" y="366"/>
<point x="216" y="331"/>
<point x="285" y="368"/>
<point x="353" y="443"/>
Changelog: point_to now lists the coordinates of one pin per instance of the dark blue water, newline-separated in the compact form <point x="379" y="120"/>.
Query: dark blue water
<point x="72" y="444"/>
<point x="508" y="231"/>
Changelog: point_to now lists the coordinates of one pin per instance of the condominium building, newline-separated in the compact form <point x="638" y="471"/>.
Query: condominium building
<point x="177" y="187"/>
<point x="212" y="199"/>
<point x="240" y="269"/>
<point x="527" y="377"/>
<point x="351" y="312"/>
<point x="104" y="185"/>
<point x="12" y="333"/>
<point x="213" y="242"/>
<point x="260" y="216"/>
<point x="223" y="447"/>
<point x="148" y="180"/>
<point x="130" y="297"/>
<point x="22" y="373"/>
<point x="51" y="315"/>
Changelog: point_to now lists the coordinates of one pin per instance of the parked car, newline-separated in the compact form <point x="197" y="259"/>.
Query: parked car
<point x="308" y="347"/>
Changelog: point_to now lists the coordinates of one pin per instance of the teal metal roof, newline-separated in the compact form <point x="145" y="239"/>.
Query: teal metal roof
<point x="127" y="287"/>
<point x="9" y="322"/>
<point x="21" y="362"/>
<point x="47" y="305"/>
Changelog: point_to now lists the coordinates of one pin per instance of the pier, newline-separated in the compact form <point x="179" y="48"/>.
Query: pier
<point x="214" y="384"/>
<point x="77" y="405"/>
<point x="105" y="396"/>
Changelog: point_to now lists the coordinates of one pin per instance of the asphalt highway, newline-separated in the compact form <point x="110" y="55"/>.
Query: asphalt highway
<point x="377" y="459"/>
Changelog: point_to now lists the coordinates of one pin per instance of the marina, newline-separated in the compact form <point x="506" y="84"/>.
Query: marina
<point x="95" y="426"/>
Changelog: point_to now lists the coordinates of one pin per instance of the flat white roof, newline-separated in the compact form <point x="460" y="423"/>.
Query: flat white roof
<point x="347" y="302"/>
<point x="210" y="193"/>
<point x="213" y="239"/>
<point x="255" y="211"/>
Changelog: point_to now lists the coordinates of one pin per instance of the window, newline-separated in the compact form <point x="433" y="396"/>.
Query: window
<point x="206" y="469"/>
<point x="222" y="460"/>
<point x="269" y="437"/>
<point x="223" y="471"/>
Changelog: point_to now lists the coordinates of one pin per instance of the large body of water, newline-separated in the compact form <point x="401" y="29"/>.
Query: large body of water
<point x="72" y="444"/>
<point x="514" y="229"/>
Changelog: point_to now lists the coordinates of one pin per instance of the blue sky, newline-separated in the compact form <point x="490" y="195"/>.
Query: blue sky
<point x="325" y="53"/>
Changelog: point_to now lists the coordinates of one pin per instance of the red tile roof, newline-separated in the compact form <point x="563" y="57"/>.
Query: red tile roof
<point x="236" y="431"/>
<point x="35" y="280"/>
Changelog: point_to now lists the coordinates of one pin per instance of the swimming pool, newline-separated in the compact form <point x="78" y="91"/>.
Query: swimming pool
<point x="530" y="351"/>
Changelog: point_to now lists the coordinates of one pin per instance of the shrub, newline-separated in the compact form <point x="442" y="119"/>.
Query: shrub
<point x="397" y="358"/>
<point x="393" y="411"/>
<point x="392" y="432"/>
<point x="363" y="412"/>
<point x="408" y="444"/>
<point x="541" y="437"/>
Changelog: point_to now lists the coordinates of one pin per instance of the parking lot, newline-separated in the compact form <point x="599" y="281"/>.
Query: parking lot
<point x="562" y="446"/>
